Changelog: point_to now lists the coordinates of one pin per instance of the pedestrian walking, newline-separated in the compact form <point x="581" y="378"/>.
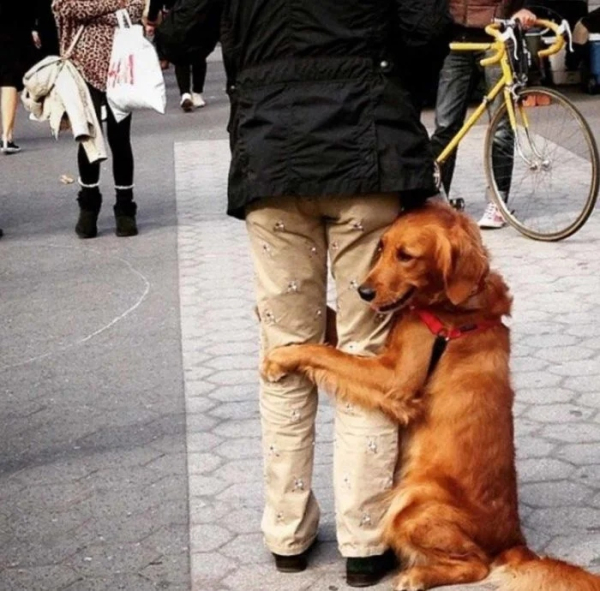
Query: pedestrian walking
<point x="91" y="55"/>
<point x="456" y="82"/>
<point x="16" y="55"/>
<point x="190" y="73"/>
<point x="44" y="29"/>
<point x="327" y="147"/>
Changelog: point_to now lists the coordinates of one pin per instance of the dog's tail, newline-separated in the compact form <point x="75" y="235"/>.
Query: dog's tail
<point x="519" y="569"/>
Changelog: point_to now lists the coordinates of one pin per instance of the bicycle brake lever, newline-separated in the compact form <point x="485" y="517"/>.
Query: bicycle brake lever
<point x="507" y="35"/>
<point x="565" y="28"/>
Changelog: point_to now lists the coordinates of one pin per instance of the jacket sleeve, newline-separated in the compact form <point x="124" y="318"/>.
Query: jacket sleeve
<point x="84" y="10"/>
<point x="154" y="8"/>
<point x="425" y="32"/>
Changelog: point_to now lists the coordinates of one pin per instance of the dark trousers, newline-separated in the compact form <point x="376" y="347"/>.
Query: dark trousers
<point x="457" y="81"/>
<point x="191" y="78"/>
<point x="119" y="141"/>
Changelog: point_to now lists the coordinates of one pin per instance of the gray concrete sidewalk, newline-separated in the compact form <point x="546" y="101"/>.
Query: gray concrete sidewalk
<point x="129" y="425"/>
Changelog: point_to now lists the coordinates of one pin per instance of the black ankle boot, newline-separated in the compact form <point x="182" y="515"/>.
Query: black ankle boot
<point x="90" y="201"/>
<point x="368" y="571"/>
<point x="125" y="218"/>
<point x="295" y="563"/>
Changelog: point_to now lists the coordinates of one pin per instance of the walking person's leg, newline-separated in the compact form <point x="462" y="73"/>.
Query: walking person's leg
<point x="9" y="100"/>
<point x="183" y="75"/>
<point x="366" y="442"/>
<point x="199" y="68"/>
<point x="454" y="88"/>
<point x="89" y="197"/>
<point x="290" y="259"/>
<point x="502" y="154"/>
<point x="119" y="140"/>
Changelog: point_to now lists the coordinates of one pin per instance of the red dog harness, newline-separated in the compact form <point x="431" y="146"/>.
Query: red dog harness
<point x="444" y="335"/>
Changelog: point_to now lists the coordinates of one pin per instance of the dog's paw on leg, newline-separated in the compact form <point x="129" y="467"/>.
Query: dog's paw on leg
<point x="407" y="581"/>
<point x="278" y="363"/>
<point x="271" y="371"/>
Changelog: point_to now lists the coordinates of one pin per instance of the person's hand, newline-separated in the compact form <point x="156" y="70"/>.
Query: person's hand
<point x="150" y="28"/>
<point x="36" y="39"/>
<point x="525" y="17"/>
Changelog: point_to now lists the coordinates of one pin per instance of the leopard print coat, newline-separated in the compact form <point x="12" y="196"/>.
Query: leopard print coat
<point x="92" y="52"/>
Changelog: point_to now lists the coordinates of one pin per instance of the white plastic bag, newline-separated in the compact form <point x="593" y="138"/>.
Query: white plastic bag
<point x="135" y="79"/>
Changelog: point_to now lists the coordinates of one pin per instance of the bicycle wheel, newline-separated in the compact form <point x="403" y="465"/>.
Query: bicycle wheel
<point x="544" y="175"/>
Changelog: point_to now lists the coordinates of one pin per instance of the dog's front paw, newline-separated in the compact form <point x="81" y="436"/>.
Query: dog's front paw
<point x="271" y="371"/>
<point x="278" y="363"/>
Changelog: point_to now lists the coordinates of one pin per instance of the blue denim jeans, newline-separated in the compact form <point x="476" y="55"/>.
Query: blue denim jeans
<point x="457" y="81"/>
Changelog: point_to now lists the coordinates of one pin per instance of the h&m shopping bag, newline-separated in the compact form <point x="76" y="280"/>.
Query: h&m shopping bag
<point x="135" y="79"/>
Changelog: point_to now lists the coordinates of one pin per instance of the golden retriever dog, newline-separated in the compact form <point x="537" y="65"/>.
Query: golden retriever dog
<point x="444" y="376"/>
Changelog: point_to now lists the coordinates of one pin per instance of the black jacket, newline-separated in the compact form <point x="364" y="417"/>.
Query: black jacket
<point x="320" y="101"/>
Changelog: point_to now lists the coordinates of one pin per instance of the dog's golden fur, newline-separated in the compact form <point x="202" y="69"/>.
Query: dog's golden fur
<point x="453" y="516"/>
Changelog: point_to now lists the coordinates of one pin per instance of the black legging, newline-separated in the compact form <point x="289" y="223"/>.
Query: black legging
<point x="198" y="76"/>
<point x="119" y="140"/>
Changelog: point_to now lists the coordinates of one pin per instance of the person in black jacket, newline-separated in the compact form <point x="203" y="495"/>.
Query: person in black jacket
<point x="45" y="34"/>
<point x="327" y="147"/>
<point x="191" y="72"/>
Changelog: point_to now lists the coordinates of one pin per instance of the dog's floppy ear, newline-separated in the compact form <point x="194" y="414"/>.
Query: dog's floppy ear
<point x="462" y="260"/>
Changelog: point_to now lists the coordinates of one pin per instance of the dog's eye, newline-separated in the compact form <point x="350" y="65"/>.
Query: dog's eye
<point x="404" y="256"/>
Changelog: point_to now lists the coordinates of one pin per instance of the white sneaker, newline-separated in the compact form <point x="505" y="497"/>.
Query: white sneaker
<point x="198" y="99"/>
<point x="491" y="218"/>
<point x="186" y="103"/>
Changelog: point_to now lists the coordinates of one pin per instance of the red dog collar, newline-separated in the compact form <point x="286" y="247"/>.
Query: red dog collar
<point x="435" y="325"/>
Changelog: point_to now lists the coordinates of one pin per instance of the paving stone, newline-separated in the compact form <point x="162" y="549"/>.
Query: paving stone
<point x="37" y="578"/>
<point x="554" y="494"/>
<point x="209" y="536"/>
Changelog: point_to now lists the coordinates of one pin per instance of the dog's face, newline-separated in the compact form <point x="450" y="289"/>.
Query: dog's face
<point x="428" y="256"/>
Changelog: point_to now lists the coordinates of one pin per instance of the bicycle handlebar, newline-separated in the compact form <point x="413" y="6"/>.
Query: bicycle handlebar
<point x="500" y="32"/>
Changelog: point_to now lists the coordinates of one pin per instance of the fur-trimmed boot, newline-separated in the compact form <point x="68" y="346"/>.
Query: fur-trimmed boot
<point x="90" y="201"/>
<point x="125" y="210"/>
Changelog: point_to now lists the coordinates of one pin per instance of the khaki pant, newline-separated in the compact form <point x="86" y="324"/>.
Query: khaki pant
<point x="291" y="240"/>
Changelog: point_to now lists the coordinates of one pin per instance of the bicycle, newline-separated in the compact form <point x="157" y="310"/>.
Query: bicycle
<point x="541" y="159"/>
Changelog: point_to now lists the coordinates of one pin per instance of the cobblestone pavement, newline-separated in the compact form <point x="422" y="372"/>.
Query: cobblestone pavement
<point x="555" y="362"/>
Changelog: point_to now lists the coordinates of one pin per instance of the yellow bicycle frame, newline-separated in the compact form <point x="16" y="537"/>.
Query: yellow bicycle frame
<point x="504" y="84"/>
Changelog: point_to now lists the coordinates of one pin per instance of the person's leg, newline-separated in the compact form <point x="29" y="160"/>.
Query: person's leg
<point x="119" y="140"/>
<point x="366" y="443"/>
<point x="183" y="75"/>
<point x="502" y="154"/>
<point x="290" y="260"/>
<point x="9" y="99"/>
<point x="455" y="86"/>
<point x="199" y="68"/>
<point x="89" y="197"/>
<point x="504" y="140"/>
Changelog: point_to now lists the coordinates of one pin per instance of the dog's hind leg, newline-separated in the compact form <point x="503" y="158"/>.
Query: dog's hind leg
<point x="438" y="550"/>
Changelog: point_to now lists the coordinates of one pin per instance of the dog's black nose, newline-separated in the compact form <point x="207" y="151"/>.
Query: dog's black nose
<point x="367" y="293"/>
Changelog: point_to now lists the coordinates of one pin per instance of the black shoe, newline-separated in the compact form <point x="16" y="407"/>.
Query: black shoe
<point x="90" y="202"/>
<point x="293" y="564"/>
<point x="9" y="147"/>
<point x="125" y="219"/>
<point x="365" y="572"/>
